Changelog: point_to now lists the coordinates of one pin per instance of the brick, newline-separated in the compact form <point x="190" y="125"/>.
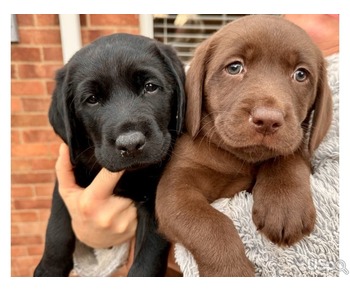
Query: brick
<point x="31" y="104"/>
<point x="24" y="151"/>
<point x="32" y="204"/>
<point x="35" y="249"/>
<point x="15" y="137"/>
<point x="20" y="165"/>
<point x="24" y="216"/>
<point x="90" y="35"/>
<point x="32" y="164"/>
<point x="17" y="251"/>
<point x="26" y="239"/>
<point x="18" y="270"/>
<point x="40" y="36"/>
<point x="31" y="228"/>
<point x="25" y="19"/>
<point x="83" y="20"/>
<point x="35" y="136"/>
<point x="42" y="226"/>
<point x="14" y="74"/>
<point x="14" y="229"/>
<point x="24" y="266"/>
<point x="47" y="20"/>
<point x="37" y="70"/>
<point x="34" y="120"/>
<point x="15" y="272"/>
<point x="21" y="191"/>
<point x="25" y="54"/>
<point x="44" y="190"/>
<point x="27" y="88"/>
<point x="53" y="148"/>
<point x="43" y="164"/>
<point x="44" y="214"/>
<point x="131" y="30"/>
<point x="31" y="178"/>
<point x="53" y="54"/>
<point x="114" y="19"/>
<point x="50" y="86"/>
<point x="25" y="261"/>
<point x="16" y="105"/>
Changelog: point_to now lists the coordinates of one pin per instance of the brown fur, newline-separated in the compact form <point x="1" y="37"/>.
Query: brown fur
<point x="246" y="131"/>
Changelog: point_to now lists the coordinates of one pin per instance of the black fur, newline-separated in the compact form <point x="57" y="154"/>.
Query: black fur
<point x="103" y="109"/>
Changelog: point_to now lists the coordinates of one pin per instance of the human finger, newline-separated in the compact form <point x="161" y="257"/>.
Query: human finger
<point x="117" y="214"/>
<point x="64" y="169"/>
<point x="103" y="184"/>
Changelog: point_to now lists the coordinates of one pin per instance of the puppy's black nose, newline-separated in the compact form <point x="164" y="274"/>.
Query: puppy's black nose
<point x="266" y="120"/>
<point x="130" y="143"/>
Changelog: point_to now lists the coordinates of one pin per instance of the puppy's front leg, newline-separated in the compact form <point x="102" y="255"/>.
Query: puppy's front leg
<point x="151" y="249"/>
<point x="186" y="217"/>
<point x="57" y="260"/>
<point x="283" y="208"/>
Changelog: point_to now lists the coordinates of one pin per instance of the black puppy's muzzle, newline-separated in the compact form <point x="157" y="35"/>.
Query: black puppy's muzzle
<point x="130" y="144"/>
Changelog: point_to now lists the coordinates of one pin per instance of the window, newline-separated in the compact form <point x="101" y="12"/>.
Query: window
<point x="14" y="29"/>
<point x="185" y="31"/>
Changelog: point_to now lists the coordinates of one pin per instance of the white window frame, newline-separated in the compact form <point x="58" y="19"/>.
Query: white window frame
<point x="146" y="25"/>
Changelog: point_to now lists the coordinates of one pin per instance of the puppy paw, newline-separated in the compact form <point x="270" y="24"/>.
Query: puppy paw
<point x="284" y="218"/>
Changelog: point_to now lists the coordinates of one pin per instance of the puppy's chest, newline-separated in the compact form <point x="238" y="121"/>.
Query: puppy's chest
<point x="139" y="185"/>
<point x="220" y="174"/>
<point x="230" y="181"/>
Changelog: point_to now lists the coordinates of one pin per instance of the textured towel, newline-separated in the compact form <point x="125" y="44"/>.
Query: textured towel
<point x="99" y="262"/>
<point x="315" y="255"/>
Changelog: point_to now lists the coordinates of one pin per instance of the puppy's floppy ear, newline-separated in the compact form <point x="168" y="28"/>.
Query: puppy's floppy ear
<point x="195" y="79"/>
<point x="61" y="112"/>
<point x="322" y="111"/>
<point x="176" y="67"/>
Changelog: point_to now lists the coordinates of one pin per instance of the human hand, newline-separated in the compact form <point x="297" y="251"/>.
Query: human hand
<point x="99" y="219"/>
<point x="322" y="28"/>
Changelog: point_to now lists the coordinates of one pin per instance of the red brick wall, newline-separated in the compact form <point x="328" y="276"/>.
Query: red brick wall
<point x="33" y="143"/>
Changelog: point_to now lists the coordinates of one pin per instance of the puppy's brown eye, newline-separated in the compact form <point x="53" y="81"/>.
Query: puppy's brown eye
<point x="150" y="87"/>
<point x="92" y="100"/>
<point x="235" y="68"/>
<point x="300" y="75"/>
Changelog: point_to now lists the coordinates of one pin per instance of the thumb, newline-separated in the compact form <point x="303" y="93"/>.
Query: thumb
<point x="104" y="183"/>
<point x="64" y="169"/>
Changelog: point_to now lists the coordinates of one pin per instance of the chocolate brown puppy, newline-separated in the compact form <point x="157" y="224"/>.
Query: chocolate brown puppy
<point x="258" y="106"/>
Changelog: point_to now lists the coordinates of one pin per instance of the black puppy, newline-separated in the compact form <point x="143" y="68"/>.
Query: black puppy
<point x="119" y="104"/>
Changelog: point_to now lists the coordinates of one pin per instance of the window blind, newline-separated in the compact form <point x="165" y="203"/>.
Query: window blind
<point x="185" y="31"/>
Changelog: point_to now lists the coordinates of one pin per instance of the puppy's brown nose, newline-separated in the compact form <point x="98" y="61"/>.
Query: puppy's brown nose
<point x="266" y="120"/>
<point x="131" y="143"/>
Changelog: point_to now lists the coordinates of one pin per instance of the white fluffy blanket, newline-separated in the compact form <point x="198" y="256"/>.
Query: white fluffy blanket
<point x="315" y="255"/>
